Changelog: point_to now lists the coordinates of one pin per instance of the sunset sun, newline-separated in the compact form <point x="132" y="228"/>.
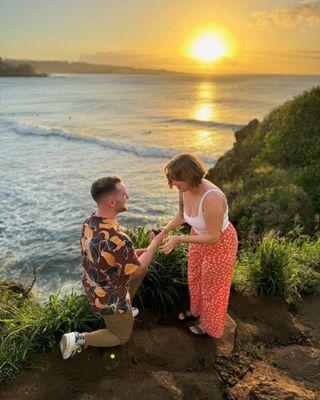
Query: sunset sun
<point x="208" y="45"/>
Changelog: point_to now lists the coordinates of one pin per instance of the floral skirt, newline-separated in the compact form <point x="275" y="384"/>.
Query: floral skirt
<point x="210" y="268"/>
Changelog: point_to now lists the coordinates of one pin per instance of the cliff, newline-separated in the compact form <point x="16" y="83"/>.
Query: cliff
<point x="272" y="173"/>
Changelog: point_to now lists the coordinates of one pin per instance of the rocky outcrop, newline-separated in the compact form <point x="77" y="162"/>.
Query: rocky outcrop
<point x="271" y="175"/>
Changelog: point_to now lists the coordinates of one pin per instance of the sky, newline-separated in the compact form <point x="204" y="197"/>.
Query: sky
<point x="261" y="36"/>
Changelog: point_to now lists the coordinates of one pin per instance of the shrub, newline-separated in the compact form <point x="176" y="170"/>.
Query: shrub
<point x="267" y="271"/>
<point x="165" y="286"/>
<point x="29" y="326"/>
<point x="280" y="267"/>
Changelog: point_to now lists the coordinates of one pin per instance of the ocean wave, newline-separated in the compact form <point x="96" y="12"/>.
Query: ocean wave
<point x="191" y="121"/>
<point x="34" y="130"/>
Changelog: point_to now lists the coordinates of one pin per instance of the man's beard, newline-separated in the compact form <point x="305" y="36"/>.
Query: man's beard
<point x="122" y="207"/>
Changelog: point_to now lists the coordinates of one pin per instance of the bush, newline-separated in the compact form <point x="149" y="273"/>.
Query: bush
<point x="165" y="286"/>
<point x="267" y="271"/>
<point x="280" y="267"/>
<point x="272" y="173"/>
<point x="28" y="326"/>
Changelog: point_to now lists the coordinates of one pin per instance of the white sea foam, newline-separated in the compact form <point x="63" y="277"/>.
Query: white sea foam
<point x="223" y="125"/>
<point x="140" y="151"/>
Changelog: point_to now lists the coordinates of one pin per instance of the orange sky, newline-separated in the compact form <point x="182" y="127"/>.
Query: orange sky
<point x="263" y="36"/>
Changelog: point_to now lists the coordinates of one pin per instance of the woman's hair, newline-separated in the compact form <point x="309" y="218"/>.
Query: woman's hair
<point x="185" y="167"/>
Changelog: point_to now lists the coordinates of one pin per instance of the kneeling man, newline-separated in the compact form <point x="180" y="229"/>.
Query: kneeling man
<point x="112" y="269"/>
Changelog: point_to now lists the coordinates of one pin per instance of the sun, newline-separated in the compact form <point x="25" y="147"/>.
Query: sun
<point x="208" y="48"/>
<point x="209" y="45"/>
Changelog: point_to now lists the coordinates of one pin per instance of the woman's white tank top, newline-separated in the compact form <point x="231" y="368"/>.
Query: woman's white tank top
<point x="198" y="222"/>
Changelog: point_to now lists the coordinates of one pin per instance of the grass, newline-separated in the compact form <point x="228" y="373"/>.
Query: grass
<point x="27" y="326"/>
<point x="267" y="270"/>
<point x="275" y="266"/>
<point x="165" y="286"/>
<point x="254" y="349"/>
<point x="279" y="267"/>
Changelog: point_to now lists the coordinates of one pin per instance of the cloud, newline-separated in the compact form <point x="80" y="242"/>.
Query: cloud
<point x="306" y="13"/>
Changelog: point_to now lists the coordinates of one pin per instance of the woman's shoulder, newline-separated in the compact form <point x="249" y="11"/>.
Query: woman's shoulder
<point x="210" y="185"/>
<point x="216" y="197"/>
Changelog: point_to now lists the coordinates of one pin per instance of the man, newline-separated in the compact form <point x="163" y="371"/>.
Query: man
<point x="112" y="269"/>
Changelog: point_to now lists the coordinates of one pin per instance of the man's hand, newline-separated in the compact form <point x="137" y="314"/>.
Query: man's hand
<point x="157" y="239"/>
<point x="155" y="232"/>
<point x="140" y="251"/>
<point x="170" y="243"/>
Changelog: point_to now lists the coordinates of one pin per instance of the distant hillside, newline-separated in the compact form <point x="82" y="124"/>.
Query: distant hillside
<point x="66" y="67"/>
<point x="272" y="173"/>
<point x="16" y="69"/>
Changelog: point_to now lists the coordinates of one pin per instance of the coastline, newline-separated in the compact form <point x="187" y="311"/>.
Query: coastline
<point x="271" y="342"/>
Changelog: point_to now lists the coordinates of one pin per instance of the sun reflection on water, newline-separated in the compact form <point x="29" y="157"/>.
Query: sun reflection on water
<point x="205" y="109"/>
<point x="204" y="139"/>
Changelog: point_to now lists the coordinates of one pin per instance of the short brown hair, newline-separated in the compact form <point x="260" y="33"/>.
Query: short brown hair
<point x="104" y="186"/>
<point x="185" y="167"/>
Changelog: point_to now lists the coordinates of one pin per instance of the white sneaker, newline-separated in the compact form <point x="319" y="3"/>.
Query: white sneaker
<point x="70" y="344"/>
<point x="135" y="311"/>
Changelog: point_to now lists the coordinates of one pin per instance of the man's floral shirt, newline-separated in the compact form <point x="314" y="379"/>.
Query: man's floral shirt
<point x="108" y="259"/>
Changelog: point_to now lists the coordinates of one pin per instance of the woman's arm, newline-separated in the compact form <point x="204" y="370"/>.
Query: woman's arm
<point x="178" y="219"/>
<point x="214" y="207"/>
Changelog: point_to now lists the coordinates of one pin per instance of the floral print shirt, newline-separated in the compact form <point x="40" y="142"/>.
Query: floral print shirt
<point x="108" y="259"/>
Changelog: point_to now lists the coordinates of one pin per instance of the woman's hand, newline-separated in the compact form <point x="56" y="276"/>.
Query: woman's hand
<point x="170" y="243"/>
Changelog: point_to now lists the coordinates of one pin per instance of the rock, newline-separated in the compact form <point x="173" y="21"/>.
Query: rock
<point x="189" y="386"/>
<point x="246" y="130"/>
<point x="172" y="349"/>
<point x="267" y="391"/>
<point x="204" y="386"/>
<point x="265" y="319"/>
<point x="167" y="380"/>
<point x="309" y="316"/>
<point x="267" y="383"/>
<point x="226" y="343"/>
<point x="300" y="362"/>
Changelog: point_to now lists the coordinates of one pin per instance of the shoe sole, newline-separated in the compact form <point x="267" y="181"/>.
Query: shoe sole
<point x="63" y="347"/>
<point x="135" y="312"/>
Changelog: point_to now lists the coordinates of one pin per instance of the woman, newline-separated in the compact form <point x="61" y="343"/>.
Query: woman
<point x="213" y="243"/>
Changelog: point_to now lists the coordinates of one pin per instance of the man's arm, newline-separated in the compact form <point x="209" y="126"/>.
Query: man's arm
<point x="146" y="257"/>
<point x="139" y="252"/>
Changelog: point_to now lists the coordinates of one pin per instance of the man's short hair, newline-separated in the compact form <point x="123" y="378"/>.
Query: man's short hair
<point x="104" y="186"/>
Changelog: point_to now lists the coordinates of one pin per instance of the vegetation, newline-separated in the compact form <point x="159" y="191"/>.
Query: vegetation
<point x="12" y="69"/>
<point x="78" y="67"/>
<point x="27" y="326"/>
<point x="272" y="174"/>
<point x="165" y="285"/>
<point x="280" y="267"/>
<point x="255" y="350"/>
<point x="289" y="268"/>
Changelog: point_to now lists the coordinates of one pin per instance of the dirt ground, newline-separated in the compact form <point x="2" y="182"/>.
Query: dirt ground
<point x="276" y="355"/>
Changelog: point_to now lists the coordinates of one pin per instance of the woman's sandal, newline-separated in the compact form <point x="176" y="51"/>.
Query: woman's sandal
<point x="197" y="330"/>
<point x="185" y="316"/>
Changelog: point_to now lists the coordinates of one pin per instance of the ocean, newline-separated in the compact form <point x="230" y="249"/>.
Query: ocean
<point x="59" y="134"/>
